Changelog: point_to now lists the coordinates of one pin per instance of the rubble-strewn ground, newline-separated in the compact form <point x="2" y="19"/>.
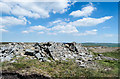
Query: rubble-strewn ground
<point x="74" y="61"/>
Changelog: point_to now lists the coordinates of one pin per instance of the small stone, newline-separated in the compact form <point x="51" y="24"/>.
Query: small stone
<point x="38" y="56"/>
<point x="100" y="55"/>
<point x="82" y="65"/>
<point x="13" y="61"/>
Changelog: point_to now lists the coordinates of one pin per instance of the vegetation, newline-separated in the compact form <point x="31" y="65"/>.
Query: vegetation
<point x="60" y="69"/>
<point x="63" y="69"/>
<point x="114" y="54"/>
<point x="100" y="44"/>
<point x="114" y="66"/>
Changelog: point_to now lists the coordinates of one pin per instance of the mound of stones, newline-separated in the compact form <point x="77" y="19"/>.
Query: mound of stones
<point x="46" y="52"/>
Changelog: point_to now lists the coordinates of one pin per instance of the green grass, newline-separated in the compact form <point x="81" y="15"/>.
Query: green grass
<point x="115" y="54"/>
<point x="100" y="44"/>
<point x="113" y="65"/>
<point x="65" y="69"/>
<point x="60" y="69"/>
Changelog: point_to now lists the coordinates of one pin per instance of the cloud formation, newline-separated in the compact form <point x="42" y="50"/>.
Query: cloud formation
<point x="85" y="11"/>
<point x="89" y="21"/>
<point x="59" y="26"/>
<point x="11" y="21"/>
<point x="108" y="35"/>
<point x="64" y="29"/>
<point x="3" y="30"/>
<point x="35" y="28"/>
<point x="34" y="9"/>
<point x="39" y="10"/>
<point x="91" y="32"/>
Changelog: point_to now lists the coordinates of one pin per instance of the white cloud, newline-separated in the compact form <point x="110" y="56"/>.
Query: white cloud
<point x="19" y="11"/>
<point x="106" y="27"/>
<point x="39" y="27"/>
<point x="4" y="8"/>
<point x="25" y="31"/>
<point x="91" y="32"/>
<point x="65" y="29"/>
<point x="85" y="11"/>
<point x="57" y="22"/>
<point x="3" y="30"/>
<point x="12" y="21"/>
<point x="40" y="32"/>
<point x="50" y="33"/>
<point x="67" y="19"/>
<point x="108" y="35"/>
<point x="59" y="26"/>
<point x="33" y="8"/>
<point x="89" y="21"/>
<point x="35" y="28"/>
<point x="36" y="1"/>
<point x="1" y="26"/>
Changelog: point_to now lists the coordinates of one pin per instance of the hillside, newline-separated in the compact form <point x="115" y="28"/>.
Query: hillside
<point x="101" y="44"/>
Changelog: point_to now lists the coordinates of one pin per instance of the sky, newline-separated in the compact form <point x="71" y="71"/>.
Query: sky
<point x="59" y="21"/>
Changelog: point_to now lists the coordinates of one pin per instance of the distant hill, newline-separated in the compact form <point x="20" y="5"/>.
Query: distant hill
<point x="101" y="44"/>
<point x="84" y="44"/>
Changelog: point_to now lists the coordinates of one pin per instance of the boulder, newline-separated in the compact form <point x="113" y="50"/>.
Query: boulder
<point x="100" y="55"/>
<point x="29" y="52"/>
<point x="38" y="56"/>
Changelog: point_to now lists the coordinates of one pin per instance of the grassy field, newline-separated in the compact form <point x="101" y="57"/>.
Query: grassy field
<point x="64" y="69"/>
<point x="101" y="44"/>
<point x="113" y="65"/>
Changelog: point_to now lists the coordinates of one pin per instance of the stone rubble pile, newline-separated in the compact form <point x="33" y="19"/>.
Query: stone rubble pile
<point x="47" y="52"/>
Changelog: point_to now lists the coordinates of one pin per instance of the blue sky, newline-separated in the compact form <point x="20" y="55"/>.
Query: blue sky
<point x="59" y="22"/>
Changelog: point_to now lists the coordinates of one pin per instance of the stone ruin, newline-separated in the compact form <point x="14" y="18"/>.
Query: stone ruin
<point x="47" y="52"/>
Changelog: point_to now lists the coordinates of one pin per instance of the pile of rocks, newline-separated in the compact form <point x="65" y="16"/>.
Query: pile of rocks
<point x="47" y="51"/>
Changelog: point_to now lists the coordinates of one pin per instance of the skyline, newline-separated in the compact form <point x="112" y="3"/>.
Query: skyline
<point x="60" y="22"/>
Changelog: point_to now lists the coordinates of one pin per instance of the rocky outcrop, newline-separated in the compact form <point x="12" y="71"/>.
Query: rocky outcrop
<point x="49" y="51"/>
